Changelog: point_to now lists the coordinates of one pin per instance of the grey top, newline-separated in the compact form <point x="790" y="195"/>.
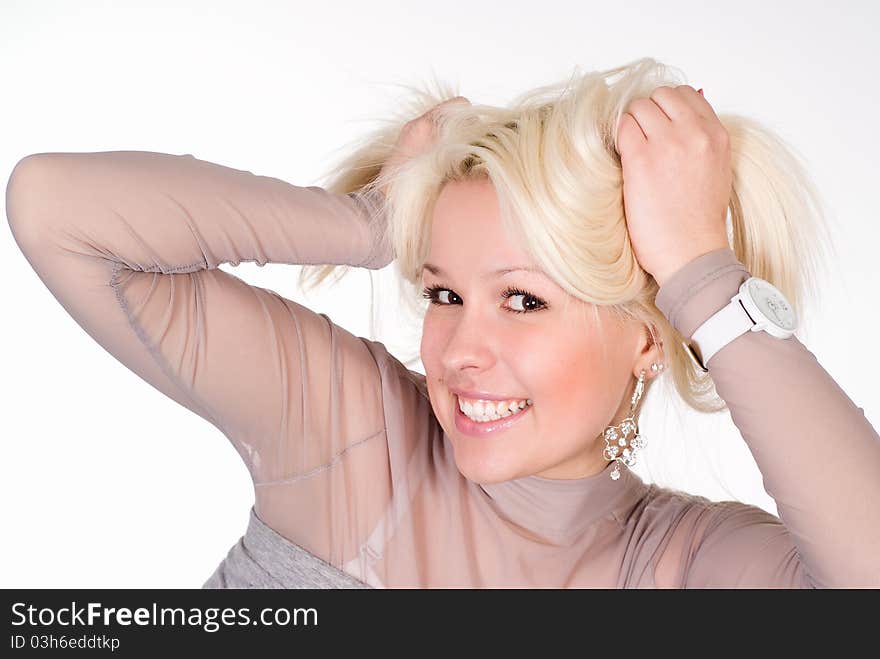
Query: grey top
<point x="264" y="559"/>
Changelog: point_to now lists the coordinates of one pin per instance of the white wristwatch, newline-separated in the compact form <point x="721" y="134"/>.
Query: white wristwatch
<point x="758" y="305"/>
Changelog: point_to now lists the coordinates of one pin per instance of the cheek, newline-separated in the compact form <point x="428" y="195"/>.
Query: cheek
<point x="429" y="350"/>
<point x="571" y="378"/>
<point x="557" y="374"/>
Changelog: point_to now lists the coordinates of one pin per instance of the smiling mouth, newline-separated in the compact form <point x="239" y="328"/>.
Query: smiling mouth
<point x="496" y="419"/>
<point x="506" y="413"/>
<point x="490" y="428"/>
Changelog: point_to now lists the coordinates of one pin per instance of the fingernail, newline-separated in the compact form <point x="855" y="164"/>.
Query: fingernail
<point x="700" y="91"/>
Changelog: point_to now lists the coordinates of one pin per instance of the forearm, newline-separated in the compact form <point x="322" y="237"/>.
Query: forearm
<point x="159" y="212"/>
<point x="817" y="452"/>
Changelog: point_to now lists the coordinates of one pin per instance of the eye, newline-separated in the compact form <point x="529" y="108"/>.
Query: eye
<point x="530" y="303"/>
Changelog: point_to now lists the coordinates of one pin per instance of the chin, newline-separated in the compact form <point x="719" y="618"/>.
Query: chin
<point x="484" y="472"/>
<point x="482" y="462"/>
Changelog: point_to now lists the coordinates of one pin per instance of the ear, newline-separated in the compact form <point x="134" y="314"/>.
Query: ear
<point x="651" y="352"/>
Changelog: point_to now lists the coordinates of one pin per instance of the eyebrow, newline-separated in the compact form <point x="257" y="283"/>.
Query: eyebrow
<point x="495" y="273"/>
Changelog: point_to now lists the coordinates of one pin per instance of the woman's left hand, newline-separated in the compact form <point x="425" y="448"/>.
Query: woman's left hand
<point x="677" y="178"/>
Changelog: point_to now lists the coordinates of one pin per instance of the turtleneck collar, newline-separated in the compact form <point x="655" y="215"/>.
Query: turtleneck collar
<point x="559" y="510"/>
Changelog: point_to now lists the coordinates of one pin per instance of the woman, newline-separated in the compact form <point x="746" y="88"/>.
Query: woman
<point x="570" y="247"/>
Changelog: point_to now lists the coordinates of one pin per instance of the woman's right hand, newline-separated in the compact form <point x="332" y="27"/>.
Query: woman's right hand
<point x="416" y="137"/>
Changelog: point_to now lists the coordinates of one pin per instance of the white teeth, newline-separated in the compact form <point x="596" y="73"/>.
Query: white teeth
<point x="491" y="410"/>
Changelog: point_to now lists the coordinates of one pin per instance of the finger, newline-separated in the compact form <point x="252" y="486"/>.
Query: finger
<point x="696" y="101"/>
<point x="455" y="100"/>
<point x="629" y="134"/>
<point x="440" y="107"/>
<point x="650" y="117"/>
<point x="674" y="103"/>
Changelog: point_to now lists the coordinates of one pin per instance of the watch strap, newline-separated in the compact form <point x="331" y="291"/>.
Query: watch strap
<point x="721" y="328"/>
<point x="688" y="297"/>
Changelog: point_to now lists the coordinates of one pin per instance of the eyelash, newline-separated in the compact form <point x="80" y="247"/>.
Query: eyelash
<point x="430" y="293"/>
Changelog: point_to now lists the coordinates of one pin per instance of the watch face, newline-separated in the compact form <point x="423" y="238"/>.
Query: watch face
<point x="772" y="303"/>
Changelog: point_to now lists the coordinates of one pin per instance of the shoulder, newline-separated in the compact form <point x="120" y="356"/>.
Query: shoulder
<point x="669" y="508"/>
<point x="409" y="415"/>
<point x="403" y="390"/>
<point x="688" y="539"/>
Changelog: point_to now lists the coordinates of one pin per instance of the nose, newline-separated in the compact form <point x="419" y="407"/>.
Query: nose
<point x="471" y="343"/>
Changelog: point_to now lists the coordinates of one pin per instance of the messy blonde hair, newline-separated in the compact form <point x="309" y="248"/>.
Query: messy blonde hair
<point x="552" y="159"/>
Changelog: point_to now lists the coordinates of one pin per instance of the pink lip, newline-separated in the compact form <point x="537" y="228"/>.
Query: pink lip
<point x="482" y="429"/>
<point x="483" y="395"/>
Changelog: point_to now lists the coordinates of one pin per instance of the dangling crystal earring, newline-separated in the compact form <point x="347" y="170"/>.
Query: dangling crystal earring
<point x="622" y="431"/>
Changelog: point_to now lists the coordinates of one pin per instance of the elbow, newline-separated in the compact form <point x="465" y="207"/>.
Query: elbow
<point x="29" y="196"/>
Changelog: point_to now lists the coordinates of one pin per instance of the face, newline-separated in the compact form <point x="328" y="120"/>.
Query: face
<point x="538" y="343"/>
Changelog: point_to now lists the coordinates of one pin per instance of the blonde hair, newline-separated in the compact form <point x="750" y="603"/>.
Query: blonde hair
<point x="552" y="159"/>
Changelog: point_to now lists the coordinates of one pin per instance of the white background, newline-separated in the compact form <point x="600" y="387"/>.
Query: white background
<point x="106" y="483"/>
